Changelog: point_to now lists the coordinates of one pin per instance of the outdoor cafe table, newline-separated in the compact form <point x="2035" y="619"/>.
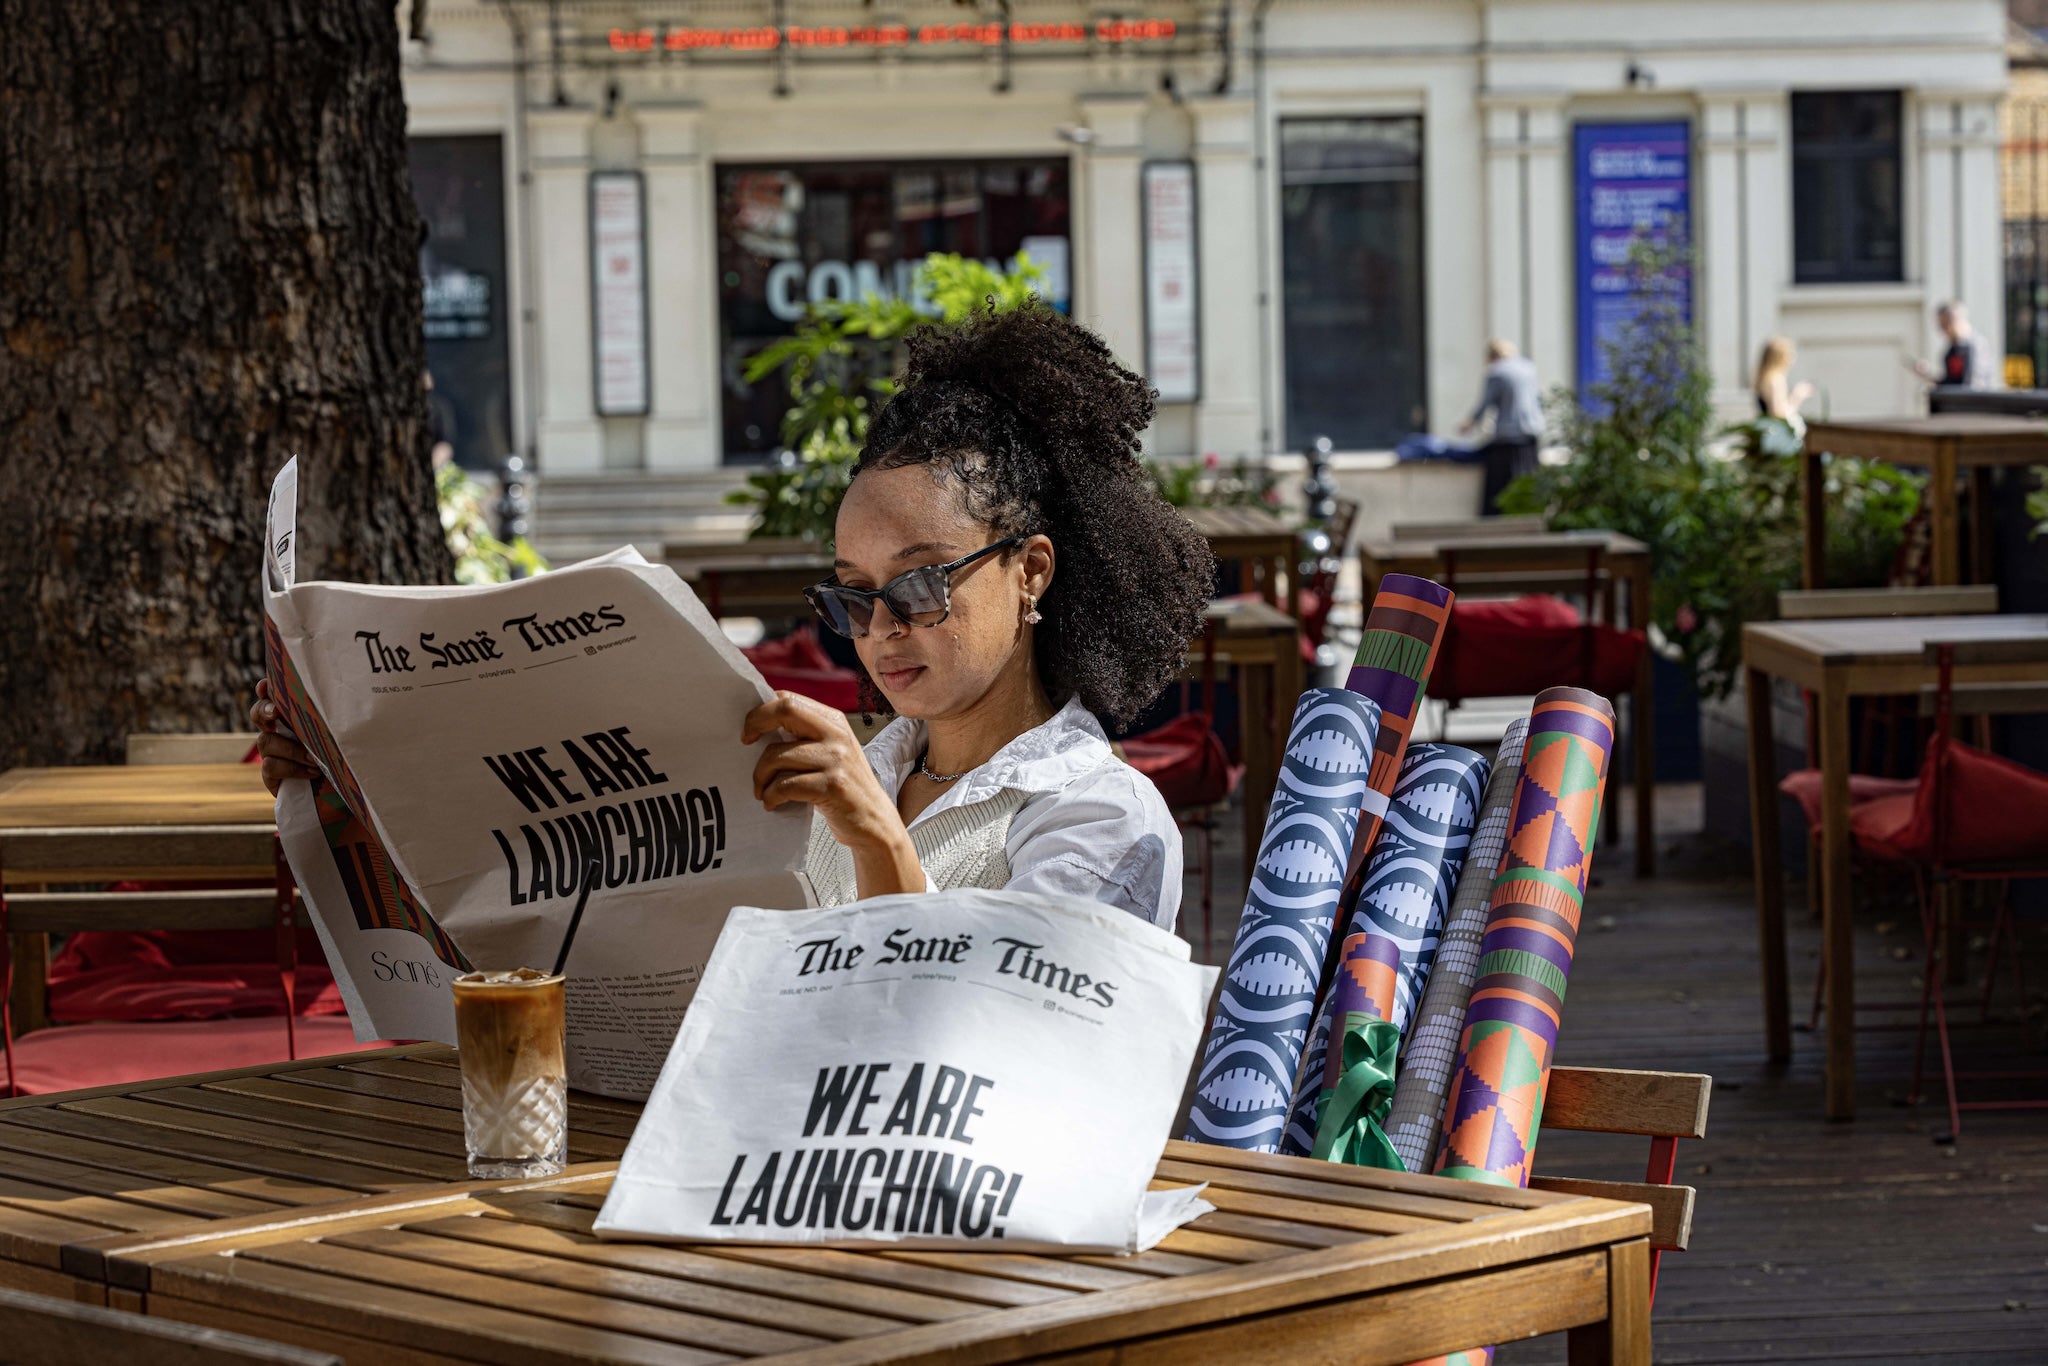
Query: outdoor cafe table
<point x="1834" y="661"/>
<point x="1262" y="544"/>
<point x="1945" y="445"/>
<point x="100" y="801"/>
<point x="323" y="1203"/>
<point x="1548" y="562"/>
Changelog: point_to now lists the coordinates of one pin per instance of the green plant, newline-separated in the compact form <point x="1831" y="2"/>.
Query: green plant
<point x="1204" y="483"/>
<point x="480" y="557"/>
<point x="839" y="365"/>
<point x="1723" y="525"/>
<point x="2037" y="501"/>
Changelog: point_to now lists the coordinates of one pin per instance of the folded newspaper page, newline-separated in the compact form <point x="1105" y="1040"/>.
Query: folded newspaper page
<point x="486" y="749"/>
<point x="962" y="1069"/>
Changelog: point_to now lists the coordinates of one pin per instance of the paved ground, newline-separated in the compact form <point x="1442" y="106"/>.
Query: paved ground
<point x="1812" y="1241"/>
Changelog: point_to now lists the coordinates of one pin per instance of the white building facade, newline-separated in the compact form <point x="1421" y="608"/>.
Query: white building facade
<point x="1302" y="217"/>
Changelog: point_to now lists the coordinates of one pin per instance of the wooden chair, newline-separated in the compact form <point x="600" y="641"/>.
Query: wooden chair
<point x="214" y="747"/>
<point x="1662" y="1106"/>
<point x="1824" y="604"/>
<point x="36" y="1330"/>
<point x="165" y="853"/>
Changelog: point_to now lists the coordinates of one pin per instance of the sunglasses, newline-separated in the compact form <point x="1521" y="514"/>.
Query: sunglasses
<point x="920" y="597"/>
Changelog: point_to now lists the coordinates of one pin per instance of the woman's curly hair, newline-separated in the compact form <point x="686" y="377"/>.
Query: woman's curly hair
<point x="1033" y="418"/>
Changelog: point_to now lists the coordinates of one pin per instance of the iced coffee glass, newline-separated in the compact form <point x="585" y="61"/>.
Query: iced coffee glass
<point x="515" y="1089"/>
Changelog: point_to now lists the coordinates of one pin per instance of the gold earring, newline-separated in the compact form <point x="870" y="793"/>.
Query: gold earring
<point x="1031" y="617"/>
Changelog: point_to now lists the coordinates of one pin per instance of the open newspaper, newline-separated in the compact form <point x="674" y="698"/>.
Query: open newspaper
<point x="982" y="1069"/>
<point x="484" y="750"/>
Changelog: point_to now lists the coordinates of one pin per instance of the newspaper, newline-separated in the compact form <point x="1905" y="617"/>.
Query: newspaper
<point x="970" y="1068"/>
<point x="481" y="748"/>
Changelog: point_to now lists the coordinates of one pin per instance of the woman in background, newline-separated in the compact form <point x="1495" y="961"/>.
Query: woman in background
<point x="1776" y="396"/>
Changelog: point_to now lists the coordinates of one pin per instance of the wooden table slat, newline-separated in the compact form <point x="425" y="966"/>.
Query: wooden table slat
<point x="207" y="1113"/>
<point x="25" y="1141"/>
<point x="802" y="1287"/>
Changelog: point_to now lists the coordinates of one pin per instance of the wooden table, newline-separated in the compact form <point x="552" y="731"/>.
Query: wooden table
<point x="1834" y="661"/>
<point x="1264" y="645"/>
<point x="1945" y="445"/>
<point x="322" y="1203"/>
<point x="155" y="822"/>
<point x="1265" y="546"/>
<point x="1549" y="562"/>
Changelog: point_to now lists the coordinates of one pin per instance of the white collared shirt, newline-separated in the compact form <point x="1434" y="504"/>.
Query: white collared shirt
<point x="1091" y="825"/>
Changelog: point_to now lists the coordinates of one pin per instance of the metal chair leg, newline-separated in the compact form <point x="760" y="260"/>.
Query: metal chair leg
<point x="1929" y="938"/>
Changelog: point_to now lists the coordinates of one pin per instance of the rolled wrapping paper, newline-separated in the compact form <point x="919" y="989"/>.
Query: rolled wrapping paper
<point x="1409" y="879"/>
<point x="1268" y="992"/>
<point x="1495" y="1105"/>
<point x="1429" y="1043"/>
<point x="1395" y="655"/>
<point x="1358" y="1080"/>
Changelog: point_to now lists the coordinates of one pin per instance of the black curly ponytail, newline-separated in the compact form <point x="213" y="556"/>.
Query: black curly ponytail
<point x="1034" y="419"/>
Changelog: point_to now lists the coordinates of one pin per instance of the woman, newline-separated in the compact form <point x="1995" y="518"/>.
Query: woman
<point x="1775" y="395"/>
<point x="1007" y="573"/>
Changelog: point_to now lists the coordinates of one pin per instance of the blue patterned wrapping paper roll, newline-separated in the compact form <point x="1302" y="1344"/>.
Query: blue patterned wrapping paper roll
<point x="1429" y="1050"/>
<point x="1409" y="878"/>
<point x="1268" y="994"/>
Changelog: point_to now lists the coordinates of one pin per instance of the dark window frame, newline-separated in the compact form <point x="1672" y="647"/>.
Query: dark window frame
<point x="1418" y="173"/>
<point x="1830" y="165"/>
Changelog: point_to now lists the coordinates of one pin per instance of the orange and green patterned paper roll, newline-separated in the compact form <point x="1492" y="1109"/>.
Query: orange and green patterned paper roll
<point x="1495" y="1104"/>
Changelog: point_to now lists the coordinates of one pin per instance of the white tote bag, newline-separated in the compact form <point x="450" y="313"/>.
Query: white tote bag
<point x="968" y="1069"/>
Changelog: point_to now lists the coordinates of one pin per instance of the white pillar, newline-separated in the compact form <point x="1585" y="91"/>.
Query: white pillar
<point x="1979" y="229"/>
<point x="1110" y="269"/>
<point x="1549" y="225"/>
<point x="569" y="440"/>
<point x="682" y="253"/>
<point x="1227" y="418"/>
<point x="1764" y="154"/>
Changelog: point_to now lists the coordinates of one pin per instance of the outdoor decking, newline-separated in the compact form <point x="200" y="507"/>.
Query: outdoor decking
<point x="1811" y="1241"/>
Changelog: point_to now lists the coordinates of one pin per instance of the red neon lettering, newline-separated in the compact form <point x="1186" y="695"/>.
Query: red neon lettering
<point x="881" y="35"/>
<point x="632" y="40"/>
<point x="1134" y="30"/>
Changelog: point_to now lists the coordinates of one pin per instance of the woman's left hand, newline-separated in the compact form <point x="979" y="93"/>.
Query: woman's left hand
<point x="824" y="767"/>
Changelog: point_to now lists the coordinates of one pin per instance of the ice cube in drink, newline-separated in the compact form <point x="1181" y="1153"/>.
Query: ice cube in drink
<point x="515" y="1108"/>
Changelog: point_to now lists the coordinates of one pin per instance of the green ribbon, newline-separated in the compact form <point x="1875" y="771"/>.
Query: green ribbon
<point x="1348" y="1126"/>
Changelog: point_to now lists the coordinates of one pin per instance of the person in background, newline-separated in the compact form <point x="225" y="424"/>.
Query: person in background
<point x="1967" y="362"/>
<point x="1776" y="396"/>
<point x="1510" y="395"/>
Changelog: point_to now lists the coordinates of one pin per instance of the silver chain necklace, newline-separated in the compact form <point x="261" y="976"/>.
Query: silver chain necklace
<point x="925" y="769"/>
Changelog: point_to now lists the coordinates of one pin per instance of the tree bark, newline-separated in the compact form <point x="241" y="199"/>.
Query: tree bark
<point x="208" y="264"/>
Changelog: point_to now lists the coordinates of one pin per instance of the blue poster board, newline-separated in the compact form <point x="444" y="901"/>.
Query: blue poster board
<point x="1632" y="181"/>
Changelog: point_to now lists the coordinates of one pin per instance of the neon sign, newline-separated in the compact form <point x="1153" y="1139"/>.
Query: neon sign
<point x="761" y="38"/>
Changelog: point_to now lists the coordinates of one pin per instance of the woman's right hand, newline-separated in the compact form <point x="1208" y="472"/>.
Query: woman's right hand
<point x="283" y="756"/>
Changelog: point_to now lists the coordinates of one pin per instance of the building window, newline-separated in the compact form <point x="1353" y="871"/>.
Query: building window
<point x="789" y="236"/>
<point x="1351" y="274"/>
<point x="459" y="185"/>
<point x="1845" y="187"/>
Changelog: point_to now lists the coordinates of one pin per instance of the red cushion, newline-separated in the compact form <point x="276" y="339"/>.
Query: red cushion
<point x="1995" y="811"/>
<point x="798" y="663"/>
<point x="1804" y="785"/>
<point x="1520" y="647"/>
<point x="67" y="1057"/>
<point x="183" y="975"/>
<point x="1185" y="761"/>
<point x="1533" y="609"/>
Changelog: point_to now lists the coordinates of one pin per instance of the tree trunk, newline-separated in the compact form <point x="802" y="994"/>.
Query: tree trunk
<point x="208" y="264"/>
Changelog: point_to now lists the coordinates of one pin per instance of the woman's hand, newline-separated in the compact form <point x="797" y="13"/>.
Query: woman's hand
<point x="283" y="756"/>
<point x="823" y="767"/>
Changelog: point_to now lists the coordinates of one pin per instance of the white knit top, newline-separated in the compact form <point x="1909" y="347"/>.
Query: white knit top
<point x="962" y="846"/>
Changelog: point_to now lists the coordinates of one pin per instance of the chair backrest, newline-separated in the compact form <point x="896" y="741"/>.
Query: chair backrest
<point x="1822" y="604"/>
<point x="1662" y="1106"/>
<point x="161" y="853"/>
<point x="41" y="1331"/>
<point x="212" y="747"/>
<point x="1469" y="529"/>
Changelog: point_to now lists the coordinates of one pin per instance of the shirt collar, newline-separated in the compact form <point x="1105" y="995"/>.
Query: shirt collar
<point x="1048" y="758"/>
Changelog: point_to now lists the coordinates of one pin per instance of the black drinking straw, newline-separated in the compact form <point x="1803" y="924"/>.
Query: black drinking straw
<point x="591" y="872"/>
